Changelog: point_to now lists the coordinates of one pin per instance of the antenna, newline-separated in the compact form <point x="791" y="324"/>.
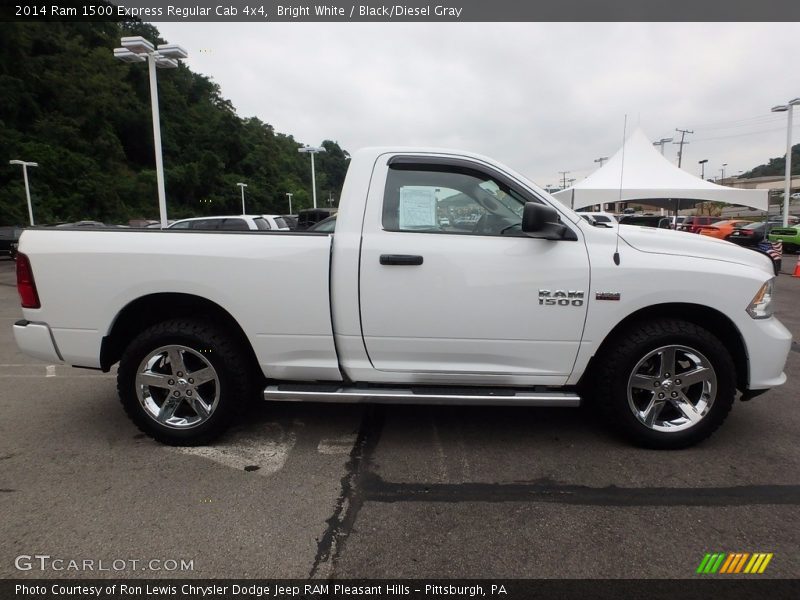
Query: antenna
<point x="621" y="171"/>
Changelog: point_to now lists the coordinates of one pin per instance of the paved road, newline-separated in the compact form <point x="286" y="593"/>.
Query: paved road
<point x="352" y="491"/>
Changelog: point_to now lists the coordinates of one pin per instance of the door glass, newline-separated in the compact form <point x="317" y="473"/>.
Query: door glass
<point x="449" y="200"/>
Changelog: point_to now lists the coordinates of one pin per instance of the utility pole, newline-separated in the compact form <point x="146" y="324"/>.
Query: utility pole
<point x="290" y="201"/>
<point x="683" y="133"/>
<point x="563" y="179"/>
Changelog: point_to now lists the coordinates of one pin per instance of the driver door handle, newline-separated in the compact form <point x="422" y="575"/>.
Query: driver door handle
<point x="401" y="259"/>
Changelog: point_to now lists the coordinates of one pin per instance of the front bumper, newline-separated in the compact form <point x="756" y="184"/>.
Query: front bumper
<point x="768" y="347"/>
<point x="36" y="340"/>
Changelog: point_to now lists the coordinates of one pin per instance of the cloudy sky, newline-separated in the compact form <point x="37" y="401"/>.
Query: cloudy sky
<point x="541" y="98"/>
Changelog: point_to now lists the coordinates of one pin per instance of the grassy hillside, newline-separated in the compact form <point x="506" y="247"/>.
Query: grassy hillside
<point x="67" y="104"/>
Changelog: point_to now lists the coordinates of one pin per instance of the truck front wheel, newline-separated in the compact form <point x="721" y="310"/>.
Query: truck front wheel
<point x="182" y="381"/>
<point x="666" y="384"/>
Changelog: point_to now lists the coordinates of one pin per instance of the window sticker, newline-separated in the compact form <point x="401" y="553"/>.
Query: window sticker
<point x="417" y="208"/>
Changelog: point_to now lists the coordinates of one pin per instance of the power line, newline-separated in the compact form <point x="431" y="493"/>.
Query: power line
<point x="734" y="135"/>
<point x="755" y="123"/>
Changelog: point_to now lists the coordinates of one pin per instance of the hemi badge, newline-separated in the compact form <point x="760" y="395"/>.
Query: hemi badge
<point x="607" y="296"/>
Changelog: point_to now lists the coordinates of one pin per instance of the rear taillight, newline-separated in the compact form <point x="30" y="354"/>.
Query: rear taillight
<point x="746" y="232"/>
<point x="26" y="286"/>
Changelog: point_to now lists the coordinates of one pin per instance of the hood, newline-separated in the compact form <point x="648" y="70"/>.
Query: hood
<point x="680" y="243"/>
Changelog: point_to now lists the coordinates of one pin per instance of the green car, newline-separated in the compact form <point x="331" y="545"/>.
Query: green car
<point x="790" y="236"/>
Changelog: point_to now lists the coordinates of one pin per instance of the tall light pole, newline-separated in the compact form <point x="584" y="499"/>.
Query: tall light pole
<point x="787" y="188"/>
<point x="25" y="165"/>
<point x="661" y="143"/>
<point x="702" y="164"/>
<point x="290" y="201"/>
<point x="312" y="151"/>
<point x="601" y="160"/>
<point x="137" y="49"/>
<point x="242" y="185"/>
<point x="723" y="171"/>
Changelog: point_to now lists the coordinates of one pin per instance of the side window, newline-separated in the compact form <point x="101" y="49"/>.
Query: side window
<point x="205" y="224"/>
<point x="181" y="225"/>
<point x="234" y="225"/>
<point x="443" y="199"/>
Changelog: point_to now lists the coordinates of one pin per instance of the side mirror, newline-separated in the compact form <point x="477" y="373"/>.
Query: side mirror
<point x="541" y="221"/>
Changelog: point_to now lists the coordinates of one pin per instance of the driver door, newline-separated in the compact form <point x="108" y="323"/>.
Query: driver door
<point x="450" y="287"/>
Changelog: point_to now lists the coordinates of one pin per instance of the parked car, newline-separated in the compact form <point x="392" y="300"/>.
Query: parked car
<point x="325" y="226"/>
<point x="693" y="224"/>
<point x="645" y="221"/>
<point x="721" y="229"/>
<point x="537" y="307"/>
<point x="675" y="222"/>
<point x="750" y="234"/>
<point x="9" y="238"/>
<point x="291" y="221"/>
<point x="157" y="224"/>
<point x="599" y="217"/>
<point x="224" y="223"/>
<point x="306" y="218"/>
<point x="276" y="222"/>
<point x="755" y="237"/>
<point x="80" y="224"/>
<point x="789" y="236"/>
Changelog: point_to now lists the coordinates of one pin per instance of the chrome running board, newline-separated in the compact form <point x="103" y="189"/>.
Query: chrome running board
<point x="467" y="396"/>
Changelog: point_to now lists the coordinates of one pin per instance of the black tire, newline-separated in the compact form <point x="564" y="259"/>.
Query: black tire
<point x="234" y="377"/>
<point x="611" y="381"/>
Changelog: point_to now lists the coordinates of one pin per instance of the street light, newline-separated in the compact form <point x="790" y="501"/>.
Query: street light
<point x="661" y="143"/>
<point x="702" y="164"/>
<point x="312" y="151"/>
<point x="601" y="160"/>
<point x="787" y="189"/>
<point x="242" y="185"/>
<point x="137" y="49"/>
<point x="290" y="201"/>
<point x="25" y="166"/>
<point x="723" y="171"/>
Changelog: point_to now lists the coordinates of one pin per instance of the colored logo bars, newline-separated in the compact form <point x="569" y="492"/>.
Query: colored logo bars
<point x="734" y="562"/>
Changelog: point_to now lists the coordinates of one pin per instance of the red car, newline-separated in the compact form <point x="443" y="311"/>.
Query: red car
<point x="695" y="224"/>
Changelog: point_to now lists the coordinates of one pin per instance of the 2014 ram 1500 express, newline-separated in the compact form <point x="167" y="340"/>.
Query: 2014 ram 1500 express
<point x="449" y="279"/>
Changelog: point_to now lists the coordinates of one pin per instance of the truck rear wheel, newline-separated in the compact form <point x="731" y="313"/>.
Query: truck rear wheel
<point x="666" y="384"/>
<point x="182" y="381"/>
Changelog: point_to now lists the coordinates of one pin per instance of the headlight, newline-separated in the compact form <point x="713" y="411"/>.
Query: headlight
<point x="761" y="306"/>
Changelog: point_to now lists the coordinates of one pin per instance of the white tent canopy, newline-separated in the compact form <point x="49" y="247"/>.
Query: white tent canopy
<point x="647" y="175"/>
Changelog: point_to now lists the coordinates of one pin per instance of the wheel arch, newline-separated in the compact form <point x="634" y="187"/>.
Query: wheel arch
<point x="151" y="309"/>
<point x="703" y="316"/>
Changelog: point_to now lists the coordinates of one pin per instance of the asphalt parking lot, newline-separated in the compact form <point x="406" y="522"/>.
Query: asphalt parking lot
<point x="305" y="490"/>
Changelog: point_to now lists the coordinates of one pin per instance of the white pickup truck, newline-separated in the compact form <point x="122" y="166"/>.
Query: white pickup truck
<point x="449" y="279"/>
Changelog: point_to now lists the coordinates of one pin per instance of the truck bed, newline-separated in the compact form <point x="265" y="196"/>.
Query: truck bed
<point x="275" y="285"/>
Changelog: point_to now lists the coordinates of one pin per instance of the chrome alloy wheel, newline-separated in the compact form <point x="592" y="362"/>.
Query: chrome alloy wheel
<point x="672" y="388"/>
<point x="177" y="387"/>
